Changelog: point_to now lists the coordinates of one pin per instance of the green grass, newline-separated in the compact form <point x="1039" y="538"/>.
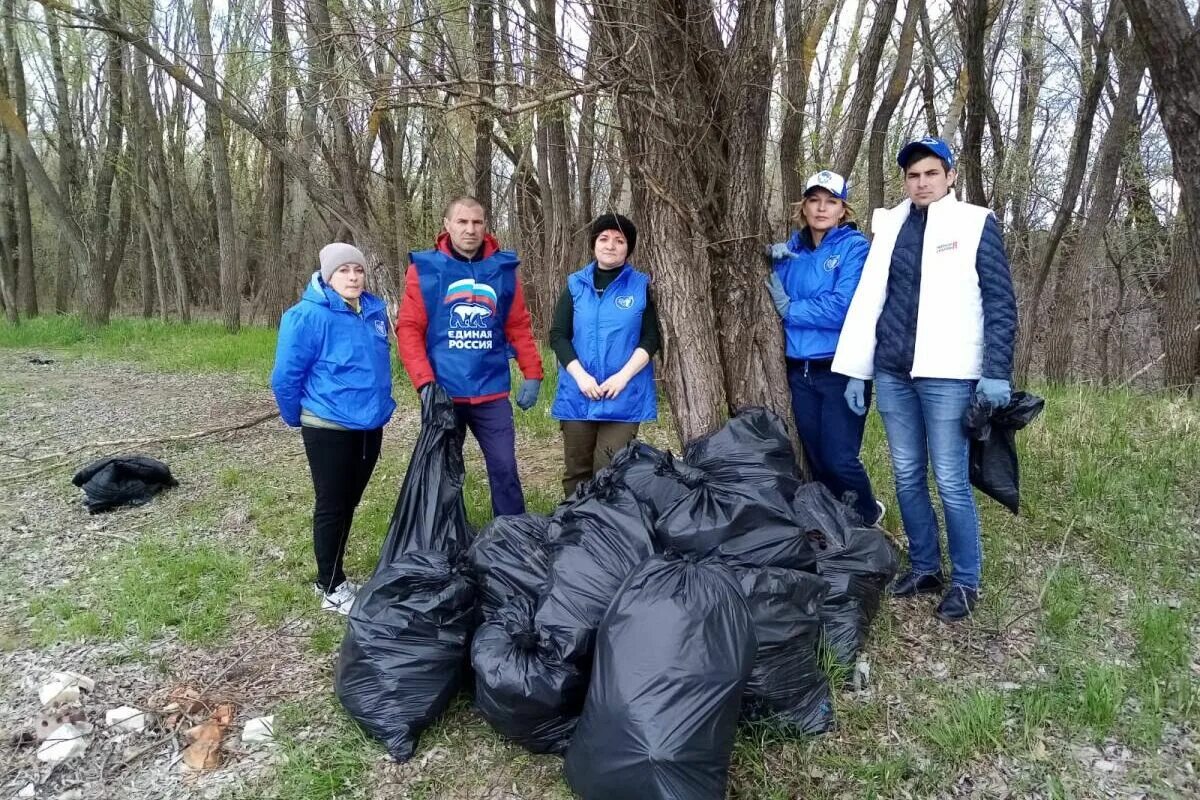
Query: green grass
<point x="1091" y="604"/>
<point x="146" y="590"/>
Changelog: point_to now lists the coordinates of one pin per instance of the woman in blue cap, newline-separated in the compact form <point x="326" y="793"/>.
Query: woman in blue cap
<point x="333" y="380"/>
<point x="604" y="333"/>
<point x="814" y="276"/>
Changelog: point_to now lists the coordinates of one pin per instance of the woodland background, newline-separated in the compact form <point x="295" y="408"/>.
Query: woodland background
<point x="185" y="159"/>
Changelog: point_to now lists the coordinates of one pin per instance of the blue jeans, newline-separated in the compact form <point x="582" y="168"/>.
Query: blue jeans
<point x="923" y="420"/>
<point x="831" y="433"/>
<point x="492" y="425"/>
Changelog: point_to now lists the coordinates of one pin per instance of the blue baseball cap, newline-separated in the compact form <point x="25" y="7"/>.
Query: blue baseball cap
<point x="831" y="182"/>
<point x="933" y="144"/>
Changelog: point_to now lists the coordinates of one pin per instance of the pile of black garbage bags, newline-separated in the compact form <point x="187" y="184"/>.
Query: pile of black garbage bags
<point x="632" y="628"/>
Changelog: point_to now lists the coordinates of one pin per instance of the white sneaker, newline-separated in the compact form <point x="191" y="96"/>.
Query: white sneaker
<point x="882" y="512"/>
<point x="341" y="599"/>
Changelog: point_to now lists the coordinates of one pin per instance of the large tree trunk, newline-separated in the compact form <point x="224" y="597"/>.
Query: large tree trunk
<point x="1164" y="30"/>
<point x="1018" y="174"/>
<point x="214" y="136"/>
<point x="700" y="216"/>
<point x="1061" y="339"/>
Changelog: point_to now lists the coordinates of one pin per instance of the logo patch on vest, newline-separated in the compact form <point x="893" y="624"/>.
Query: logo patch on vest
<point x="948" y="247"/>
<point x="380" y="328"/>
<point x="625" y="302"/>
<point x="472" y="309"/>
<point x="831" y="263"/>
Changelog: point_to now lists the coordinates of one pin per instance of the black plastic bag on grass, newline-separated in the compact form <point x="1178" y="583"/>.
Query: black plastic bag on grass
<point x="122" y="481"/>
<point x="429" y="513"/>
<point x="787" y="686"/>
<point x="403" y="654"/>
<point x="994" y="467"/>
<point x="652" y="475"/>
<point x="509" y="560"/>
<point x="602" y="537"/>
<point x="523" y="692"/>
<point x="672" y="658"/>
<point x="405" y="649"/>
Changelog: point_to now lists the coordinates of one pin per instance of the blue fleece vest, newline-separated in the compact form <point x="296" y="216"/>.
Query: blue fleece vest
<point x="607" y="329"/>
<point x="467" y="305"/>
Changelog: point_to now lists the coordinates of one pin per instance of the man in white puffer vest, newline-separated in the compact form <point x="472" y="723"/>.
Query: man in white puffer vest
<point x="933" y="322"/>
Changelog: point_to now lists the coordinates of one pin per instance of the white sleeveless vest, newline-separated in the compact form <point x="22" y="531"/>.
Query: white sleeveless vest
<point x="949" y="341"/>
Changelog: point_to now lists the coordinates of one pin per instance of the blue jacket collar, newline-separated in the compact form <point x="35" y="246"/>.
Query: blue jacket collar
<point x="322" y="294"/>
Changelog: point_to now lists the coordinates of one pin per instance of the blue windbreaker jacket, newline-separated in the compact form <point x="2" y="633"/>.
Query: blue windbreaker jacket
<point x="332" y="362"/>
<point x="820" y="283"/>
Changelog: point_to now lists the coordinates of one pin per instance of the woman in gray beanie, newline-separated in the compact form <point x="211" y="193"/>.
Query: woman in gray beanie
<point x="333" y="380"/>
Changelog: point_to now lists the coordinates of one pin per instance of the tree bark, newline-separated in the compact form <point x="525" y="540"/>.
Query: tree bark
<point x="971" y="17"/>
<point x="222" y="188"/>
<point x="1077" y="165"/>
<point x="1061" y="338"/>
<point x="887" y="106"/>
<point x="67" y="160"/>
<point x="277" y="292"/>
<point x="26" y="274"/>
<point x="803" y="30"/>
<point x="864" y="89"/>
<point x="485" y="64"/>
<point x="1164" y="30"/>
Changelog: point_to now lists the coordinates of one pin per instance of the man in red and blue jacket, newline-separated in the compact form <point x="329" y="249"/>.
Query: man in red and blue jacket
<point x="463" y="313"/>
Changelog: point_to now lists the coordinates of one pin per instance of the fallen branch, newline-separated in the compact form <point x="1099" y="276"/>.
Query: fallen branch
<point x="1146" y="368"/>
<point x="182" y="437"/>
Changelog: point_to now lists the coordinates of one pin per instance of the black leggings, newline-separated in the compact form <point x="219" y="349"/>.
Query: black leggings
<point x="341" y="463"/>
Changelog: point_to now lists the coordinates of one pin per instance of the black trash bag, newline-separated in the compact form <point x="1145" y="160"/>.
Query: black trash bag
<point x="751" y="444"/>
<point x="122" y="481"/>
<point x="405" y="649"/>
<point x="787" y="685"/>
<point x="672" y="659"/>
<point x="857" y="562"/>
<point x="652" y="475"/>
<point x="748" y="523"/>
<point x="430" y="514"/>
<point x="602" y="539"/>
<point x="523" y="692"/>
<point x="509" y="560"/>
<point x="993" y="433"/>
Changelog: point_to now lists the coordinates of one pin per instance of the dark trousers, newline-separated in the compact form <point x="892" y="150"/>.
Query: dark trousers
<point x="588" y="447"/>
<point x="491" y="424"/>
<point x="831" y="433"/>
<point x="341" y="463"/>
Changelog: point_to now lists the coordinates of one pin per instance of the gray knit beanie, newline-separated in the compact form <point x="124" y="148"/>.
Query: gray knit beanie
<point x="336" y="254"/>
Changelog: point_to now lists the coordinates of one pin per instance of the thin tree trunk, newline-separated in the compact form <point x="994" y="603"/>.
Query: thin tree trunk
<point x="887" y="106"/>
<point x="1061" y="339"/>
<point x="26" y="274"/>
<point x="485" y="64"/>
<point x="1077" y="165"/>
<point x="864" y="89"/>
<point x="214" y="135"/>
<point x="67" y="159"/>
<point x="971" y="17"/>
<point x="803" y="28"/>
<point x="278" y="288"/>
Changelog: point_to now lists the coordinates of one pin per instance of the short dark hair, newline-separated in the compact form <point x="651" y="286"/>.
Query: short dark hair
<point x="923" y="153"/>
<point x="466" y="200"/>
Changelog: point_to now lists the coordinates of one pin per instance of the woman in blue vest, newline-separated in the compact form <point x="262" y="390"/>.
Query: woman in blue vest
<point x="814" y="276"/>
<point x="604" y="333"/>
<point x="333" y="380"/>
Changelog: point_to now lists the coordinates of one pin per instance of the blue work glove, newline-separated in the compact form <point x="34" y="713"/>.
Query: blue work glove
<point x="856" y="395"/>
<point x="994" y="391"/>
<point x="779" y="251"/>
<point x="528" y="395"/>
<point x="778" y="296"/>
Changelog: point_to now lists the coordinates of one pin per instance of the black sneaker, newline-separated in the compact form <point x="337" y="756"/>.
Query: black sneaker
<point x="912" y="583"/>
<point x="958" y="603"/>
